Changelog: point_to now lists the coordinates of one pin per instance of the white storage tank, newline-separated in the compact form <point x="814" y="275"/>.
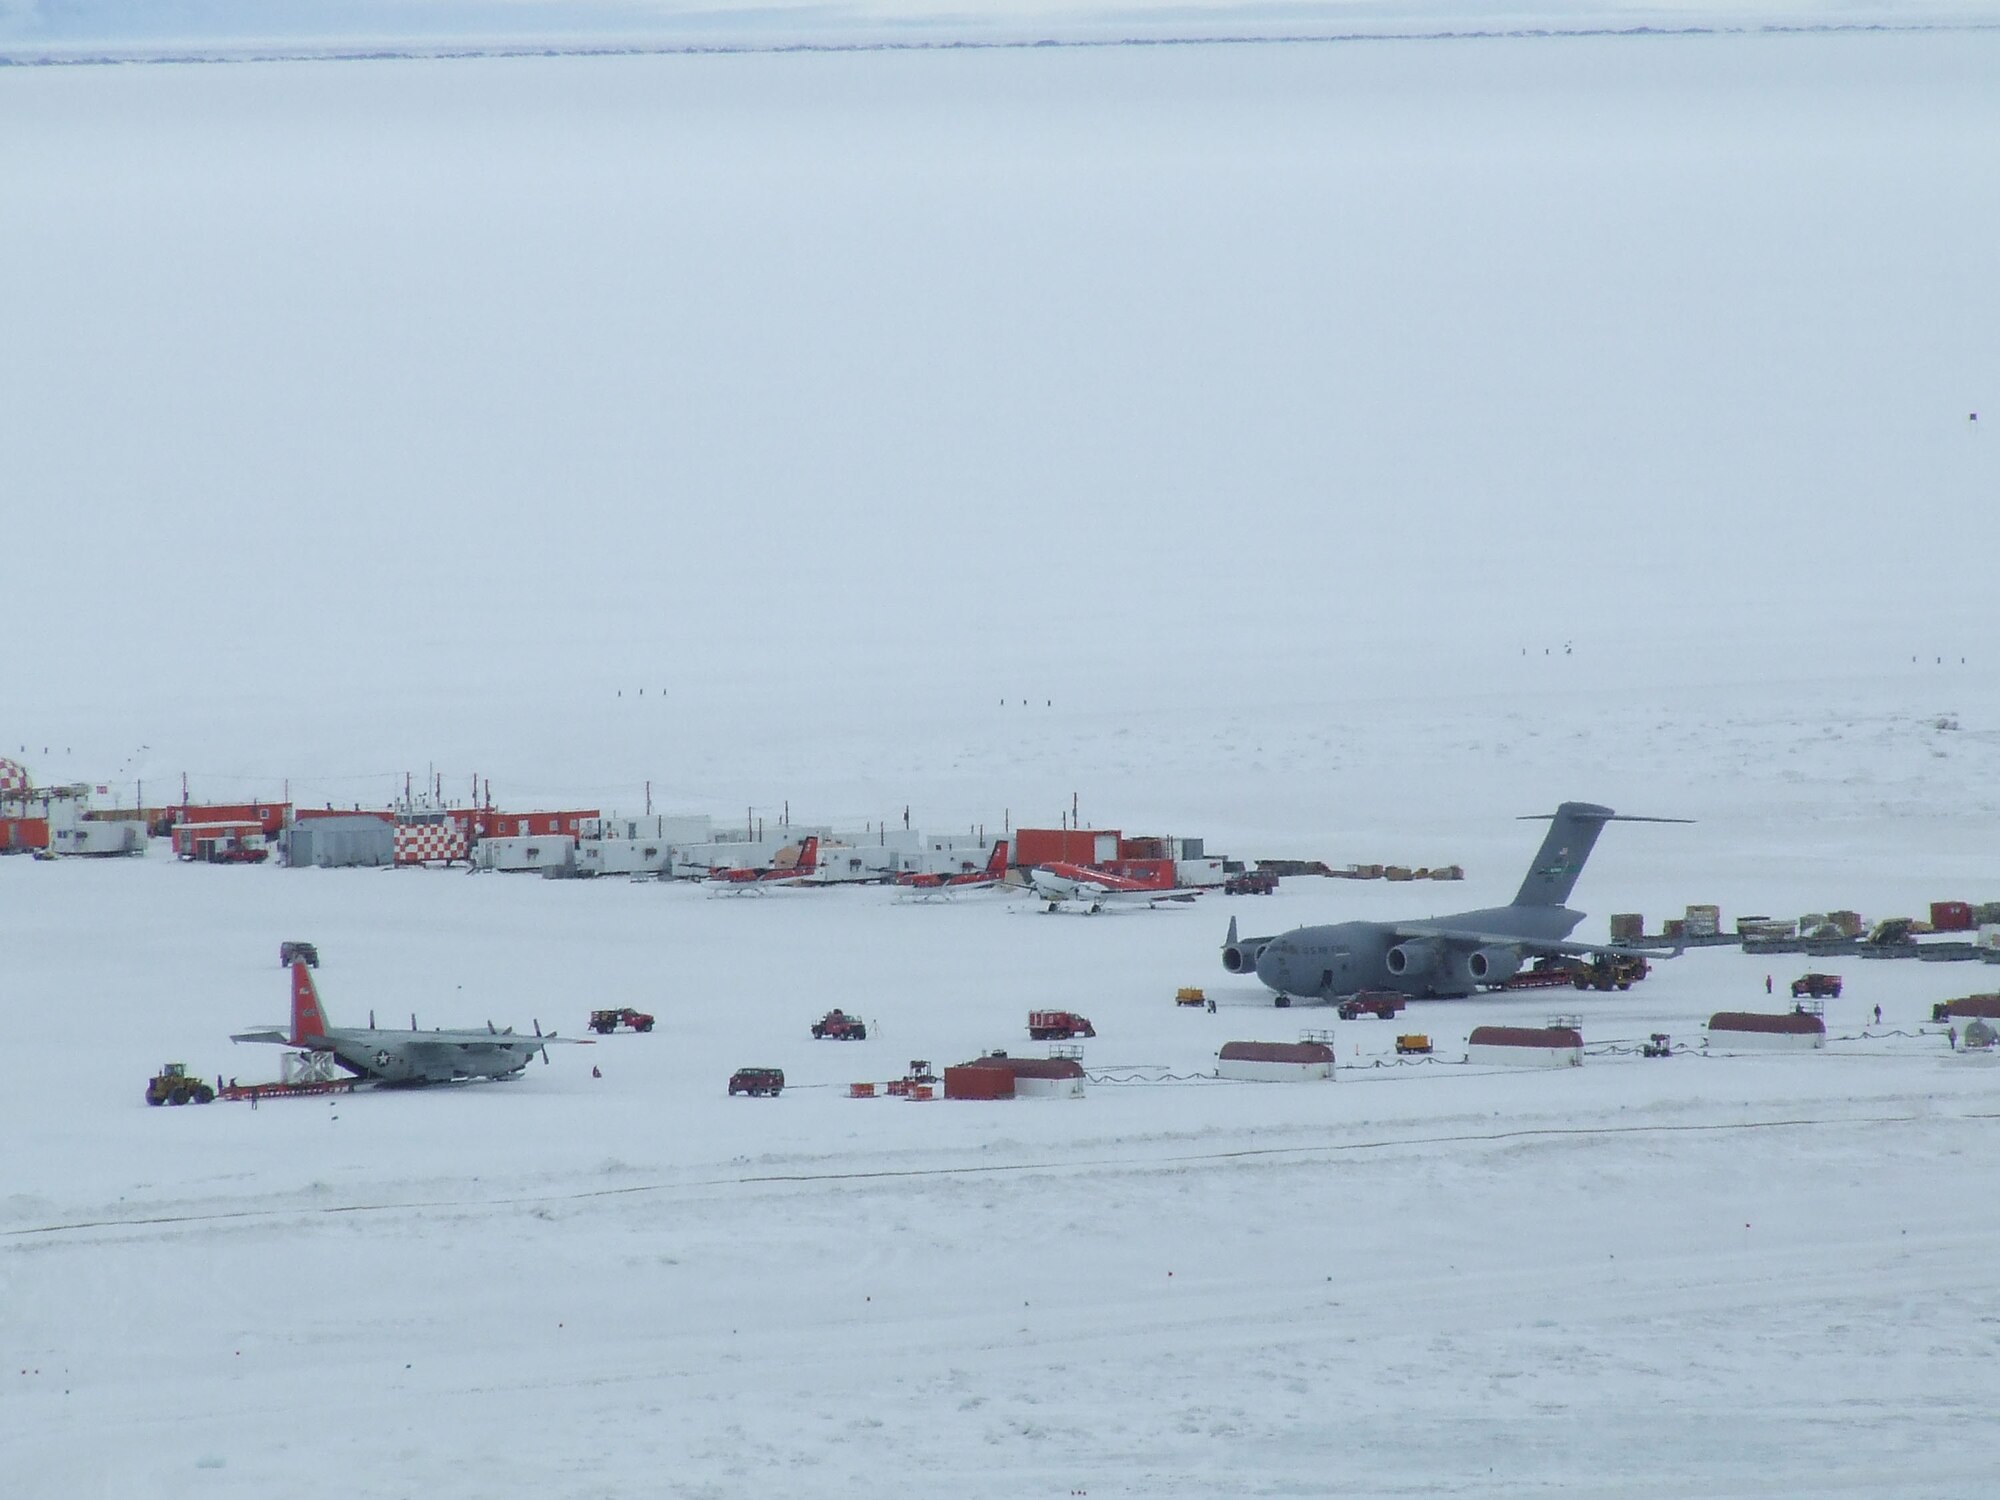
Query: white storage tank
<point x="1038" y="1077"/>
<point x="1275" y="1062"/>
<point x="1736" y="1031"/>
<point x="1526" y="1046"/>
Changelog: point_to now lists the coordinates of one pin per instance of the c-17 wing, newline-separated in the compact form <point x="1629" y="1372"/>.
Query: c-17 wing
<point x="1474" y="939"/>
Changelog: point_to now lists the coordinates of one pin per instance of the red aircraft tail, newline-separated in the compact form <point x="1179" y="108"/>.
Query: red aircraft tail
<point x="808" y="856"/>
<point x="997" y="865"/>
<point x="308" y="1020"/>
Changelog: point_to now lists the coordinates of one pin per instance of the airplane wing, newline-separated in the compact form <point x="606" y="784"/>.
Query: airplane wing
<point x="479" y="1041"/>
<point x="267" y="1034"/>
<point x="1474" y="939"/>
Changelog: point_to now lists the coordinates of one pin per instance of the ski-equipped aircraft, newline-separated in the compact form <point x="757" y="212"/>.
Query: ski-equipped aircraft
<point x="1443" y="956"/>
<point x="411" y="1056"/>
<point x="1061" y="884"/>
<point x="925" y="884"/>
<point x="762" y="877"/>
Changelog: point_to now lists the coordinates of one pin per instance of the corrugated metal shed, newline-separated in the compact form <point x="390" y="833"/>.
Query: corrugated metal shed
<point x="340" y="842"/>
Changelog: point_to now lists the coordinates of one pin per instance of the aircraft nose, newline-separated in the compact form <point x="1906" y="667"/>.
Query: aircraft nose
<point x="1274" y="965"/>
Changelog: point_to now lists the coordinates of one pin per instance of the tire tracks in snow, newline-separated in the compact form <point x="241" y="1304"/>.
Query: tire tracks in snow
<point x="988" y="1169"/>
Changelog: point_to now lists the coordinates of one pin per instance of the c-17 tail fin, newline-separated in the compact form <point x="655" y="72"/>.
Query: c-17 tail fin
<point x="308" y="1019"/>
<point x="1573" y="831"/>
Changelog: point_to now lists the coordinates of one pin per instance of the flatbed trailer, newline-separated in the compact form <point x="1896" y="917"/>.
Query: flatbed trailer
<point x="256" y="1091"/>
<point x="1560" y="977"/>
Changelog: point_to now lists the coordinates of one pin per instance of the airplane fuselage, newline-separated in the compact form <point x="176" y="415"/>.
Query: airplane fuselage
<point x="1340" y="958"/>
<point x="1440" y="956"/>
<point x="427" y="1056"/>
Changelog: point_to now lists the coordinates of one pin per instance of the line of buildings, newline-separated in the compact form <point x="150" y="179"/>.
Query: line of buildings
<point x="422" y="829"/>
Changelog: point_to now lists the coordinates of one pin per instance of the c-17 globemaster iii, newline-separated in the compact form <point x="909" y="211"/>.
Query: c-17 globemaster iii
<point x="1443" y="956"/>
<point x="411" y="1056"/>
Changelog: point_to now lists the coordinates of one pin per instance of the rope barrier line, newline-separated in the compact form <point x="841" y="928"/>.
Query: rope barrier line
<point x="891" y="1174"/>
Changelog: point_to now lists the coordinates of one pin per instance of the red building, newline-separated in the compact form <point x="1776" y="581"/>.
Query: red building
<point x="268" y="816"/>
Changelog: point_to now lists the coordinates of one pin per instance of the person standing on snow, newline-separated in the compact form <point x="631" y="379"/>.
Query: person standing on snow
<point x="1767" y="984"/>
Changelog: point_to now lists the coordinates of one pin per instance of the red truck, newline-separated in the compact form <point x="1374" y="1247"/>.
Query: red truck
<point x="764" y="1083"/>
<point x="604" y="1022"/>
<point x="1383" y="1003"/>
<point x="838" y="1026"/>
<point x="1816" y="987"/>
<point x="1051" y="1025"/>
<point x="1251" y="883"/>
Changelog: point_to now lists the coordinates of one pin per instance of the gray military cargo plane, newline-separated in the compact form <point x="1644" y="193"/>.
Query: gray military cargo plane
<point x="1444" y="956"/>
<point x="411" y="1056"/>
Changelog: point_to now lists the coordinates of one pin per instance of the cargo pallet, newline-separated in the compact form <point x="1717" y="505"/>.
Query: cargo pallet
<point x="255" y="1091"/>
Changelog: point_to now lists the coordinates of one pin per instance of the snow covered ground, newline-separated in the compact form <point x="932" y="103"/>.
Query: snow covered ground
<point x="1698" y="1276"/>
<point x="1332" y="451"/>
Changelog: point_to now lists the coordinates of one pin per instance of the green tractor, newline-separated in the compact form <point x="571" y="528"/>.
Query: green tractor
<point x="171" y="1085"/>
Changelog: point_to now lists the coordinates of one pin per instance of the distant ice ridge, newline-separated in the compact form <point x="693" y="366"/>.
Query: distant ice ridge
<point x="103" y="30"/>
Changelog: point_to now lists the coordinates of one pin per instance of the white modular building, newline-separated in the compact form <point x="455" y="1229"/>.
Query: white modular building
<point x="644" y="844"/>
<point x="535" y="851"/>
<point x="857" y="864"/>
<point x="96" y="837"/>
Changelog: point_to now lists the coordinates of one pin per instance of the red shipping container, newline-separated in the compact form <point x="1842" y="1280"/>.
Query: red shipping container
<point x="268" y="816"/>
<point x="1158" y="873"/>
<point x="1951" y="916"/>
<point x="23" y="833"/>
<point x="978" y="1083"/>
<point x="1073" y="846"/>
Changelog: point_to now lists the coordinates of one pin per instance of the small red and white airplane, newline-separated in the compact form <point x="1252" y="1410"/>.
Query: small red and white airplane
<point x="926" y="885"/>
<point x="763" y="877"/>
<point x="1062" y="884"/>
